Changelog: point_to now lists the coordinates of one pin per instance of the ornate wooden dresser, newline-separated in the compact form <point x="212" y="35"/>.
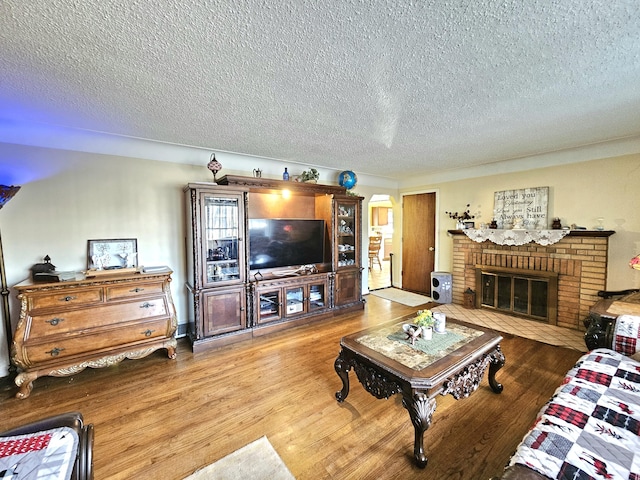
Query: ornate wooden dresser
<point x="95" y="322"/>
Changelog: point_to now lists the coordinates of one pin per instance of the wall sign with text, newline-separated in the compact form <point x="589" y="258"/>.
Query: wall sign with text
<point x="523" y="208"/>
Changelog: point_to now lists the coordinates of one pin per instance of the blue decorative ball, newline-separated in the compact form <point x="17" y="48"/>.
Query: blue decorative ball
<point x="347" y="179"/>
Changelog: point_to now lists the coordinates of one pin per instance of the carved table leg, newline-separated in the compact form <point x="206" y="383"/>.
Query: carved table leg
<point x="497" y="362"/>
<point x="342" y="369"/>
<point x="420" y="411"/>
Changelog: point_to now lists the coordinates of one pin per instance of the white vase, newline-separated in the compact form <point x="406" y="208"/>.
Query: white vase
<point x="427" y="333"/>
<point x="460" y="225"/>
<point x="441" y="322"/>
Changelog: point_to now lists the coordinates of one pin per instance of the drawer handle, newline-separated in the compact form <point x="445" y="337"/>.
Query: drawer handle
<point x="146" y="305"/>
<point x="137" y="289"/>
<point x="55" y="352"/>
<point x="147" y="332"/>
<point x="54" y="321"/>
<point x="68" y="298"/>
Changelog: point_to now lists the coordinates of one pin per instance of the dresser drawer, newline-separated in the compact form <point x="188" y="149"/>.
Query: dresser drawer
<point x="96" y="341"/>
<point x="65" y="298"/>
<point x="117" y="292"/>
<point x="87" y="318"/>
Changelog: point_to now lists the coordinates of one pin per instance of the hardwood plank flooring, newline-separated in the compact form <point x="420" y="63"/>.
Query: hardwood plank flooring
<point x="161" y="418"/>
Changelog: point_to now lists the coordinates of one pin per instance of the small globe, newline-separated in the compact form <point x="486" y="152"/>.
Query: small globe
<point x="347" y="179"/>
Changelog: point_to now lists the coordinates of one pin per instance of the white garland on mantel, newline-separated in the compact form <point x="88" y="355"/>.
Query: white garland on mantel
<point x="515" y="237"/>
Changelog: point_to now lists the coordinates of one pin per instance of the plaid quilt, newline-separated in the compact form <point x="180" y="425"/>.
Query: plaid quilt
<point x="49" y="455"/>
<point x="626" y="334"/>
<point x="590" y="429"/>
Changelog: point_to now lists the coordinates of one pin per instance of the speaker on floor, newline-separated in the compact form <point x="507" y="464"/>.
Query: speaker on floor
<point x="441" y="287"/>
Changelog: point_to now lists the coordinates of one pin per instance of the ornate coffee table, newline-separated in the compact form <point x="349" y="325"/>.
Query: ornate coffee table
<point x="387" y="363"/>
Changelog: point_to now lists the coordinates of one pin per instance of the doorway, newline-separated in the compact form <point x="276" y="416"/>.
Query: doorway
<point x="380" y="226"/>
<point x="418" y="241"/>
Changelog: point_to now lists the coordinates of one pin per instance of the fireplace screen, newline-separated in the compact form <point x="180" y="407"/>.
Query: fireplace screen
<point x="524" y="295"/>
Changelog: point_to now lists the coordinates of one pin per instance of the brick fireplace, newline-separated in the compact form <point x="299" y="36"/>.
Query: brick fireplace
<point x="579" y="261"/>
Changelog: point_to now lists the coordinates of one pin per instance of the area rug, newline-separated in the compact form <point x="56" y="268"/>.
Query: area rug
<point x="400" y="296"/>
<point x="258" y="460"/>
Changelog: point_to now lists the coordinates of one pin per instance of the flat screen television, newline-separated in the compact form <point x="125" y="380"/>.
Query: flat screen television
<point x="285" y="242"/>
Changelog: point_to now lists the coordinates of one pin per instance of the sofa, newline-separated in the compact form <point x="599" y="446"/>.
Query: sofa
<point x="590" y="428"/>
<point x="59" y="446"/>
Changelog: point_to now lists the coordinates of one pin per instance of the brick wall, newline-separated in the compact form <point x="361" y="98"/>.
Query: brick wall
<point x="579" y="259"/>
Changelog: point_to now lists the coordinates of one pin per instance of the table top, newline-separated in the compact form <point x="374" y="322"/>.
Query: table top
<point x="429" y="362"/>
<point x="612" y="307"/>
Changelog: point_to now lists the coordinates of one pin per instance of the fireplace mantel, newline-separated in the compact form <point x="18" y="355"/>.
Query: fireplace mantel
<point x="572" y="233"/>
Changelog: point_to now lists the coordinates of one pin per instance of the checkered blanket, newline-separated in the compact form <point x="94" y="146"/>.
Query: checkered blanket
<point x="590" y="428"/>
<point x="627" y="334"/>
<point x="46" y="455"/>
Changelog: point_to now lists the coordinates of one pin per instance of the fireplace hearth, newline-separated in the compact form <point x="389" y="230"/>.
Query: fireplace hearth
<point x="577" y="264"/>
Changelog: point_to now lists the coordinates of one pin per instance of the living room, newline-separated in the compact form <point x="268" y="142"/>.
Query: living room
<point x="80" y="184"/>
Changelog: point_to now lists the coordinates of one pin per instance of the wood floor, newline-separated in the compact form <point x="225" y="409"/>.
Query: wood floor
<point x="159" y="418"/>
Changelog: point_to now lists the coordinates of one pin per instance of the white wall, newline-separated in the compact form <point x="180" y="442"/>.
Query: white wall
<point x="68" y="197"/>
<point x="579" y="193"/>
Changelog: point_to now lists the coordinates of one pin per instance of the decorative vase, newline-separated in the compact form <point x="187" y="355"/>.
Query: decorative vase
<point x="427" y="333"/>
<point x="460" y="225"/>
<point x="441" y="322"/>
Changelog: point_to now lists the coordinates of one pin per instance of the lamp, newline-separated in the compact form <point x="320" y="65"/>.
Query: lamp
<point x="6" y="194"/>
<point x="215" y="166"/>
<point x="635" y="262"/>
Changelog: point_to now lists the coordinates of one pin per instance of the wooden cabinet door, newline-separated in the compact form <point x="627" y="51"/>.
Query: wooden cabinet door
<point x="223" y="310"/>
<point x="347" y="288"/>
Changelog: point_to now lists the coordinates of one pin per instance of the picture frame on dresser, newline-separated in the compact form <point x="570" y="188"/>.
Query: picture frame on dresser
<point x="108" y="254"/>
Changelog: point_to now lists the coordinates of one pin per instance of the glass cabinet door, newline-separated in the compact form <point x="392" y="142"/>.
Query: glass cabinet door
<point x="346" y="234"/>
<point x="222" y="233"/>
<point x="295" y="300"/>
<point x="269" y="306"/>
<point x="317" y="296"/>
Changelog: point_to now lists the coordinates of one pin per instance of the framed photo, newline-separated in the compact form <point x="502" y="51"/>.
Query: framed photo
<point x="469" y="225"/>
<point x="112" y="254"/>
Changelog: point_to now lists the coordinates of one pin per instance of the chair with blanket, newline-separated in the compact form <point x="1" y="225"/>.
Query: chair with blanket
<point x="60" y="446"/>
<point x="602" y="322"/>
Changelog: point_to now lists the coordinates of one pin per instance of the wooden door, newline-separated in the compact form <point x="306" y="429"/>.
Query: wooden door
<point x="224" y="310"/>
<point x="418" y="241"/>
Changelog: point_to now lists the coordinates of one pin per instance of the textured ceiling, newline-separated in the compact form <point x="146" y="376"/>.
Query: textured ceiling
<point x="387" y="87"/>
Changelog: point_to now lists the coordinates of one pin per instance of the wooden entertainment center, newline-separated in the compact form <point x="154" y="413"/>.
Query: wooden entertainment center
<point x="231" y="299"/>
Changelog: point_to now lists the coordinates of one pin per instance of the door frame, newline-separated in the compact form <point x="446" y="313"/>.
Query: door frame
<point x="436" y="259"/>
